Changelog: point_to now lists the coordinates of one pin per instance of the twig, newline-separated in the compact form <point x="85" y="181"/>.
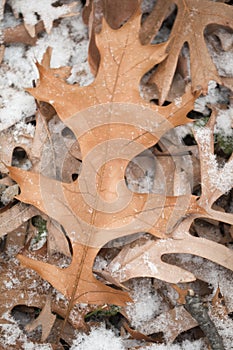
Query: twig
<point x="199" y="312"/>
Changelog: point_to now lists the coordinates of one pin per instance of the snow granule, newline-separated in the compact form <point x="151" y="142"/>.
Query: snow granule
<point x="224" y="122"/>
<point x="22" y="129"/>
<point x="185" y="345"/>
<point x="18" y="70"/>
<point x="11" y="334"/>
<point x="43" y="8"/>
<point x="219" y="178"/>
<point x="147" y="304"/>
<point x="99" y="339"/>
<point x="223" y="61"/>
<point x="215" y="95"/>
<point x="225" y="327"/>
<point x="15" y="106"/>
<point x="69" y="42"/>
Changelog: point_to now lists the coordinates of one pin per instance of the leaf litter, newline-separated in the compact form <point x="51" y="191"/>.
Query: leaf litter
<point x="136" y="253"/>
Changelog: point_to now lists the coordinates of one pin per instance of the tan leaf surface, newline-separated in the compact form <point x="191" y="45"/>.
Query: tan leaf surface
<point x="95" y="211"/>
<point x="98" y="206"/>
<point x="171" y="323"/>
<point x="46" y="319"/>
<point x="89" y="289"/>
<point x="56" y="241"/>
<point x="19" y="34"/>
<point x="144" y="258"/>
<point x="192" y="18"/>
<point x="219" y="304"/>
<point x="115" y="13"/>
<point x="15" y="217"/>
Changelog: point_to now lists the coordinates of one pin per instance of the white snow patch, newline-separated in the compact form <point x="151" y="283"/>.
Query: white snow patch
<point x="215" y="95"/>
<point x="224" y="326"/>
<point x="223" y="62"/>
<point x="22" y="129"/>
<point x="219" y="178"/>
<point x="15" y="106"/>
<point x="70" y="45"/>
<point x="11" y="333"/>
<point x="185" y="345"/>
<point x="147" y="303"/>
<point x="224" y="122"/>
<point x="99" y="338"/>
<point x="115" y="267"/>
<point x="43" y="8"/>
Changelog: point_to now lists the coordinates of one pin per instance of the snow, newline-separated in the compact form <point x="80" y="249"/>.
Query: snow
<point x="69" y="41"/>
<point x="186" y="345"/>
<point x="219" y="178"/>
<point x="43" y="8"/>
<point x="67" y="49"/>
<point x="16" y="105"/>
<point x="21" y="129"/>
<point x="224" y="122"/>
<point x="225" y="327"/>
<point x="223" y="60"/>
<point x="11" y="334"/>
<point x="99" y="338"/>
<point x="215" y="95"/>
<point x="147" y="262"/>
<point x="147" y="304"/>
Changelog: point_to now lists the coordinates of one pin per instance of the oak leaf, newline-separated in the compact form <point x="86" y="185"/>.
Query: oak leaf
<point x="115" y="14"/>
<point x="46" y="319"/>
<point x="171" y="323"/>
<point x="15" y="217"/>
<point x="112" y="124"/>
<point x="192" y="18"/>
<point x="144" y="259"/>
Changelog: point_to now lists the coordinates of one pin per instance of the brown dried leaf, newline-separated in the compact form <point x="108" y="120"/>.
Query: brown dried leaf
<point x="219" y="304"/>
<point x="19" y="34"/>
<point x="15" y="217"/>
<point x="181" y="293"/>
<point x="192" y="18"/>
<point x="171" y="323"/>
<point x="137" y="335"/>
<point x="144" y="259"/>
<point x="11" y="139"/>
<point x="56" y="241"/>
<point x="98" y="207"/>
<point x="115" y="13"/>
<point x="45" y="319"/>
<point x="89" y="289"/>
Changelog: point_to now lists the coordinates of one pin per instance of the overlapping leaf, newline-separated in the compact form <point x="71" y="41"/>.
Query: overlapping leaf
<point x="98" y="207"/>
<point x="192" y="18"/>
